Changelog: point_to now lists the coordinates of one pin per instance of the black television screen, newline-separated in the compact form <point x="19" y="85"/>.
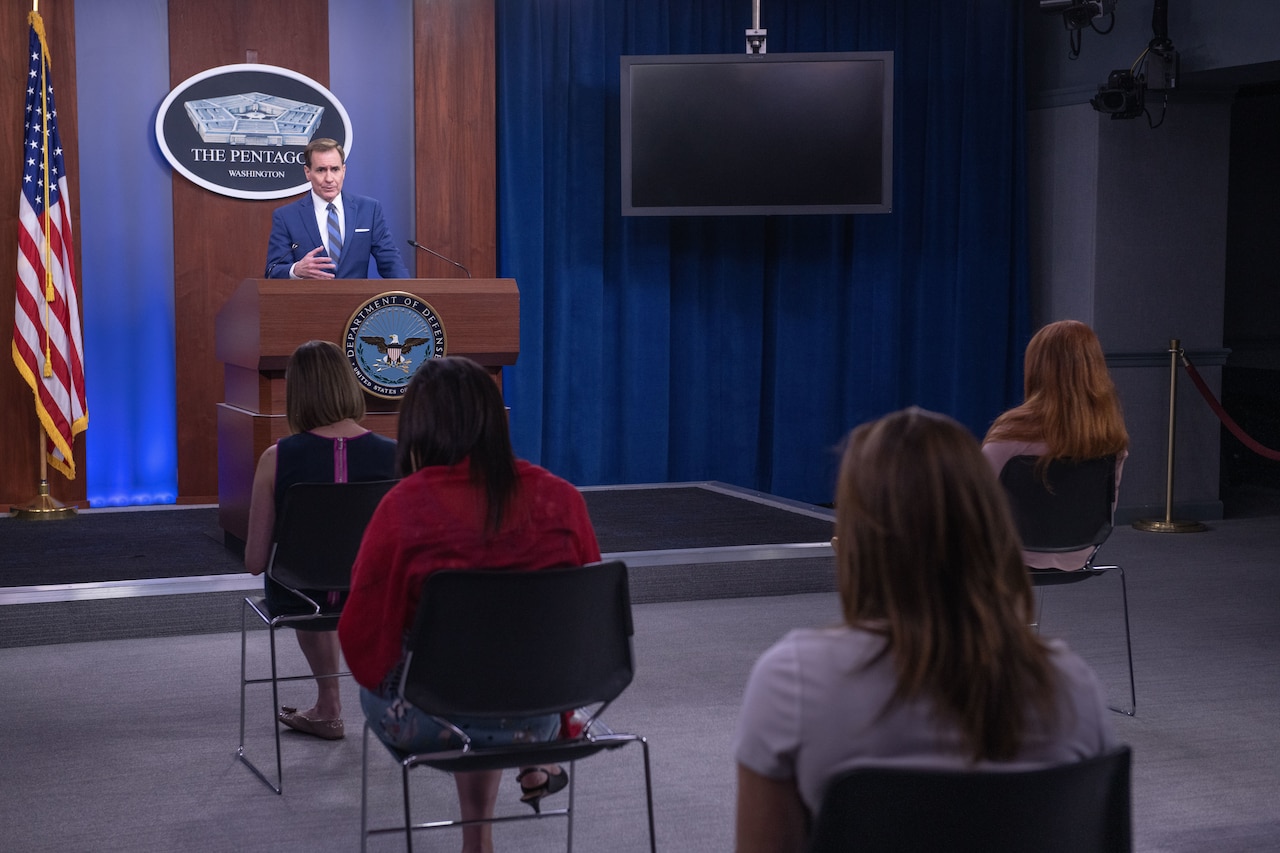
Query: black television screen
<point x="716" y="134"/>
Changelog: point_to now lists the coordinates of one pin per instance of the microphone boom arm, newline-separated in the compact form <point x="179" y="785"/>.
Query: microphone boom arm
<point x="415" y="244"/>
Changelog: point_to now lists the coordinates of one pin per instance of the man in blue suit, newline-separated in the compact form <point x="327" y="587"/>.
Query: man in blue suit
<point x="328" y="233"/>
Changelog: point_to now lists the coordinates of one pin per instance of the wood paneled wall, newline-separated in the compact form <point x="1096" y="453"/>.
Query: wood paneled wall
<point x="455" y="118"/>
<point x="20" y="441"/>
<point x="219" y="241"/>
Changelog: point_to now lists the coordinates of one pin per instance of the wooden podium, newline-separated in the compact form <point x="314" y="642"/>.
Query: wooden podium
<point x="265" y="320"/>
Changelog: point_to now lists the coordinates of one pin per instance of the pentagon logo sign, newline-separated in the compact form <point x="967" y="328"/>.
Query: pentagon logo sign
<point x="388" y="338"/>
<point x="239" y="130"/>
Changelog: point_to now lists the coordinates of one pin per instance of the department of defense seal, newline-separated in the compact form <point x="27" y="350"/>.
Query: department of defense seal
<point x="388" y="338"/>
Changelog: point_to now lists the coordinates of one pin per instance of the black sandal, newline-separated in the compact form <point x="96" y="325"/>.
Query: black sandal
<point x="533" y="794"/>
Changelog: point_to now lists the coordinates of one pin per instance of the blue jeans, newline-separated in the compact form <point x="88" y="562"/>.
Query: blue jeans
<point x="402" y="727"/>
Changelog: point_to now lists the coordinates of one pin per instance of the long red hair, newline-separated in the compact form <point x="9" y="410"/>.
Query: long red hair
<point x="1070" y="402"/>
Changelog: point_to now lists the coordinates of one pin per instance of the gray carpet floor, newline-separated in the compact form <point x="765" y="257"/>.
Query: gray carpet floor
<point x="128" y="745"/>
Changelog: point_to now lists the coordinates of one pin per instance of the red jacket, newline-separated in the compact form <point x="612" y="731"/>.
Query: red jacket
<point x="433" y="520"/>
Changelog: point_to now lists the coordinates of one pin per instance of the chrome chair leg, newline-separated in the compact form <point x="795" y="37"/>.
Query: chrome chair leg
<point x="278" y="785"/>
<point x="244" y="633"/>
<point x="572" y="770"/>
<point x="275" y="704"/>
<point x="364" y="791"/>
<point x="1128" y="645"/>
<point x="648" y="795"/>
<point x="408" y="820"/>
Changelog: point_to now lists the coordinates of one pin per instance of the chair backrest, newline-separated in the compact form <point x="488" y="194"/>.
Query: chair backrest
<point x="1067" y="507"/>
<point x="1082" y="807"/>
<point x="319" y="532"/>
<point x="520" y="643"/>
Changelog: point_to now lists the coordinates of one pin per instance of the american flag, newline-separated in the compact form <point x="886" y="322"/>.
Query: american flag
<point x="47" y="348"/>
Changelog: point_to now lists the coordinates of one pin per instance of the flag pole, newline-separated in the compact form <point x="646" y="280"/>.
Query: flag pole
<point x="43" y="507"/>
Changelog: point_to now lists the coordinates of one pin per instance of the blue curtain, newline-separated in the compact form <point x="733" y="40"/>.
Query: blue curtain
<point x="742" y="349"/>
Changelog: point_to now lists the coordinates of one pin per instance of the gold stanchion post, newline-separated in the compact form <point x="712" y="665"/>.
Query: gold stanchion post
<point x="1168" y="524"/>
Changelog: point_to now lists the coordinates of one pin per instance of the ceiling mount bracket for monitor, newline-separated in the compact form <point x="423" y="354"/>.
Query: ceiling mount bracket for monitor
<point x="757" y="39"/>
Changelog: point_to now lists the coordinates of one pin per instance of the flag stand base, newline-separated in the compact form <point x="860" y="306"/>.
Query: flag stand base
<point x="1153" y="525"/>
<point x="43" y="507"/>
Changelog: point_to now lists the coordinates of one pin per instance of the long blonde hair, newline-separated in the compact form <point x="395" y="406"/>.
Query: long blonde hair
<point x="1069" y="400"/>
<point x="928" y="555"/>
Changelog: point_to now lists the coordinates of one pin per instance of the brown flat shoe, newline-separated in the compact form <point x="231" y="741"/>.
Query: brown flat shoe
<point x="326" y="729"/>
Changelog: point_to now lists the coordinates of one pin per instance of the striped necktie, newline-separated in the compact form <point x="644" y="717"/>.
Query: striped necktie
<point x="335" y="234"/>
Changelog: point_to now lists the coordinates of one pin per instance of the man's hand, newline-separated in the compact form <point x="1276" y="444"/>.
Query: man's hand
<point x="314" y="265"/>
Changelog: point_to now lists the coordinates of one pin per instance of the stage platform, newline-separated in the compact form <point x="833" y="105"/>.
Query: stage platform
<point x="164" y="571"/>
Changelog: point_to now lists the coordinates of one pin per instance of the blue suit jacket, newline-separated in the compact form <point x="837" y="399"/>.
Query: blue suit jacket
<point x="294" y="233"/>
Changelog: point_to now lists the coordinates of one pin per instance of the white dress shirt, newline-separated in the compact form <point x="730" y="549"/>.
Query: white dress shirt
<point x="322" y="223"/>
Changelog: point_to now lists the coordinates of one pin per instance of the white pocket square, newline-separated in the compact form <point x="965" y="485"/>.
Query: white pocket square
<point x="358" y="230"/>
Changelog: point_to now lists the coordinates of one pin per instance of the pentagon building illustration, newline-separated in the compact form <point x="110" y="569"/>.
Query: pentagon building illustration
<point x="254" y="119"/>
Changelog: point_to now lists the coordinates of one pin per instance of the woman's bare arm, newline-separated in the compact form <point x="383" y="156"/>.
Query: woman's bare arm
<point x="262" y="514"/>
<point x="771" y="817"/>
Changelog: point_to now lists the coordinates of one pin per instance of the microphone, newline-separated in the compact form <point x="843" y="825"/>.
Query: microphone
<point x="286" y="258"/>
<point x="415" y="244"/>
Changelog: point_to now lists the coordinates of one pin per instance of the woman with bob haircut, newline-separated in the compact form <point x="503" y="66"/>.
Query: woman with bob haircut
<point x="935" y="664"/>
<point x="324" y="406"/>
<point x="465" y="502"/>
<point x="1070" y="411"/>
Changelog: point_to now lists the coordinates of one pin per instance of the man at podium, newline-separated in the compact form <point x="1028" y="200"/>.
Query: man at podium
<point x="328" y="233"/>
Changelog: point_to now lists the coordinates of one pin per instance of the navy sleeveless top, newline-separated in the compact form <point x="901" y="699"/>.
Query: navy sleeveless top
<point x="309" y="458"/>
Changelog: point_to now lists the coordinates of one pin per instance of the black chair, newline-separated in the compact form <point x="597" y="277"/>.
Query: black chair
<point x="1082" y="807"/>
<point x="471" y="655"/>
<point x="1065" y="508"/>
<point x="320" y="528"/>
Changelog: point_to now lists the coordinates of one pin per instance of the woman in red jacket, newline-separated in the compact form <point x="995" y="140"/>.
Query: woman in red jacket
<point x="465" y="502"/>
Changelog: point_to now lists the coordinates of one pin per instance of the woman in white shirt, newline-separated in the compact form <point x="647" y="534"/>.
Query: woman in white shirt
<point x="936" y="664"/>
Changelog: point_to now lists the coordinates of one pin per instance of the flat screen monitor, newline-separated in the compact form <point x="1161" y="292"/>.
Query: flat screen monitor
<point x="733" y="134"/>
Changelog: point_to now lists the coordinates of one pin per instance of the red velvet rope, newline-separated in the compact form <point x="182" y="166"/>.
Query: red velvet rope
<point x="1227" y="422"/>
